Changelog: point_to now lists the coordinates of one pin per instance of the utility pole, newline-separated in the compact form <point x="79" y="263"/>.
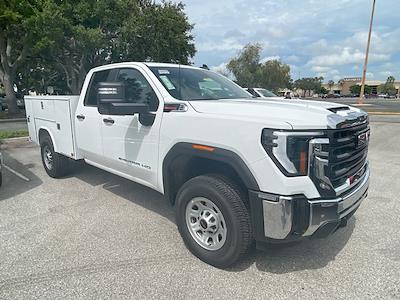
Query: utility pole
<point x="361" y="99"/>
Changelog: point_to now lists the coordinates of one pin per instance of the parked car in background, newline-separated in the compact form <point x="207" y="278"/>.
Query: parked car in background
<point x="332" y="96"/>
<point x="21" y="103"/>
<point x="3" y="103"/>
<point x="263" y="93"/>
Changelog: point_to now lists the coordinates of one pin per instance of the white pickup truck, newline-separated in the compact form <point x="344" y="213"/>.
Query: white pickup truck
<point x="236" y="169"/>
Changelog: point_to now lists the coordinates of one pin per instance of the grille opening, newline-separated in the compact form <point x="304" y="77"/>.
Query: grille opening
<point x="346" y="157"/>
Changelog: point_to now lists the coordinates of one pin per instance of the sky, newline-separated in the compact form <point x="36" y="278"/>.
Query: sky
<point x="315" y="37"/>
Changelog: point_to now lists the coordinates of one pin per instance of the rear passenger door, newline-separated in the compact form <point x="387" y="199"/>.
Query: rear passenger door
<point x="88" y="120"/>
<point x="129" y="146"/>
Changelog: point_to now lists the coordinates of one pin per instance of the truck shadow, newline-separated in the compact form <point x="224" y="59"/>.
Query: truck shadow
<point x="298" y="256"/>
<point x="276" y="259"/>
<point x="129" y="190"/>
<point x="12" y="184"/>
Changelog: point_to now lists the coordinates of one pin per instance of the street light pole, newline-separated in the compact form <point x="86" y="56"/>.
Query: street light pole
<point x="360" y="100"/>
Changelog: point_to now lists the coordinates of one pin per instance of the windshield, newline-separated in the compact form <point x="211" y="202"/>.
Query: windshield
<point x="197" y="84"/>
<point x="266" y="93"/>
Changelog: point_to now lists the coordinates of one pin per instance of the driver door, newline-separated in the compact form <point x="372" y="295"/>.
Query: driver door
<point x="130" y="147"/>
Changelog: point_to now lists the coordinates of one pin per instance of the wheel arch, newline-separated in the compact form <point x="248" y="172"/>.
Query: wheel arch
<point x="184" y="162"/>
<point x="43" y="131"/>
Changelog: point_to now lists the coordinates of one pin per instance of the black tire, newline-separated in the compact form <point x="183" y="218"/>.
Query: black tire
<point x="229" y="199"/>
<point x="60" y="164"/>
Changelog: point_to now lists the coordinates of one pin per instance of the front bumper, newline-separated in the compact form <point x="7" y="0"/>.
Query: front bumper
<point x="282" y="218"/>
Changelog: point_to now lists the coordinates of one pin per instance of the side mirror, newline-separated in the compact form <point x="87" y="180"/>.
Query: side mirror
<point x="111" y="100"/>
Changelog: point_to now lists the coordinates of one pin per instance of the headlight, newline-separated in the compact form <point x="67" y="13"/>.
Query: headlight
<point x="289" y="149"/>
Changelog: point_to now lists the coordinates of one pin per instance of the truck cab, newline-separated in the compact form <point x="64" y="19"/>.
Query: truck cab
<point x="236" y="169"/>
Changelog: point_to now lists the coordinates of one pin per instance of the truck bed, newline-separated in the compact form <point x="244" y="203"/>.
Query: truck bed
<point x="56" y="115"/>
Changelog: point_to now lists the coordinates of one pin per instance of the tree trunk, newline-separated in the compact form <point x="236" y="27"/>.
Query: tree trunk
<point x="10" y="94"/>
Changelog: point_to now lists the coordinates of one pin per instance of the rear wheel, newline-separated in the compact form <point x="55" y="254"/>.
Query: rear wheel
<point x="55" y="164"/>
<point x="213" y="220"/>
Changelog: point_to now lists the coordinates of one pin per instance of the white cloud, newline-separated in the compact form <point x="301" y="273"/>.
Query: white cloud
<point x="346" y="56"/>
<point x="221" y="68"/>
<point x="265" y="59"/>
<point x="224" y="45"/>
<point x="312" y="35"/>
<point x="292" y="58"/>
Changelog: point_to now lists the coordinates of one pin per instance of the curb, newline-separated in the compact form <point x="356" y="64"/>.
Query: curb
<point x="12" y="120"/>
<point x="15" y="139"/>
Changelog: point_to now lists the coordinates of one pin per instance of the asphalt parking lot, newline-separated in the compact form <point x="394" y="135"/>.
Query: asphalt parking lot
<point x="95" y="235"/>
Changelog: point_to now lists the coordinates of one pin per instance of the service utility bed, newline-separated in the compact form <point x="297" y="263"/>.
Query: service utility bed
<point x="56" y="114"/>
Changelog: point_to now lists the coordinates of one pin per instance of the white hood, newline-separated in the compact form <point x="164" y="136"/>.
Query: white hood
<point x="300" y="114"/>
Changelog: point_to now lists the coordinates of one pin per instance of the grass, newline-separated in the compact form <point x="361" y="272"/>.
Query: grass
<point x="13" y="134"/>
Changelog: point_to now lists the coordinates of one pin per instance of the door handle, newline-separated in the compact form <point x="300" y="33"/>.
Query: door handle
<point x="108" y="121"/>
<point x="80" y="117"/>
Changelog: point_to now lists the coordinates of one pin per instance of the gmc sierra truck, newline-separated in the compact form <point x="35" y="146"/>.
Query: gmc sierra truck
<point x="236" y="169"/>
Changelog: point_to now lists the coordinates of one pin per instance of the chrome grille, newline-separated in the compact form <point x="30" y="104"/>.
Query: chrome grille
<point x="347" y="153"/>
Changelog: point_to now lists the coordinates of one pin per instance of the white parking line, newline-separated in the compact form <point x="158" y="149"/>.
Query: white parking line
<point x="16" y="173"/>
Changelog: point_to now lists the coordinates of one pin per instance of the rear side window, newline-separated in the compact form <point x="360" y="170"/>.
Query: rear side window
<point x="100" y="76"/>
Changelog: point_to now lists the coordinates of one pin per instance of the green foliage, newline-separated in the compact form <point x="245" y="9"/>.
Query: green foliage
<point x="250" y="72"/>
<point x="308" y="84"/>
<point x="13" y="134"/>
<point x="67" y="38"/>
<point x="18" y="19"/>
<point x="388" y="87"/>
<point x="356" y="89"/>
<point x="322" y="91"/>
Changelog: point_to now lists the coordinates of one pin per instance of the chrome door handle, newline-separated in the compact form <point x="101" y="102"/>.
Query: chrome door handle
<point x="80" y="117"/>
<point x="108" y="121"/>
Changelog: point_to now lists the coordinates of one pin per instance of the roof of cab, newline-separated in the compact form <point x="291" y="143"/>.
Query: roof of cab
<point x="148" y="64"/>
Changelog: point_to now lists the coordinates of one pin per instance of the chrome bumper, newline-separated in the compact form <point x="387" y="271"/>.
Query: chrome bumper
<point x="323" y="215"/>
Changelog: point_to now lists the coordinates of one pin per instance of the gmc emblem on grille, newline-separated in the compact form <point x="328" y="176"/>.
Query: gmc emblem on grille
<point x="362" y="139"/>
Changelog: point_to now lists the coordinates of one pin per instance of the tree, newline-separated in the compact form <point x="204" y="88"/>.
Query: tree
<point x="331" y="83"/>
<point x="250" y="72"/>
<point x="79" y="35"/>
<point x="246" y="66"/>
<point x="308" y="84"/>
<point x="322" y="91"/>
<point x="356" y="89"/>
<point x="275" y="75"/>
<point x="388" y="87"/>
<point x="18" y="19"/>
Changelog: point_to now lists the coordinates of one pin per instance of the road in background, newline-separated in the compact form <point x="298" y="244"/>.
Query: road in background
<point x="374" y="105"/>
<point x="13" y="125"/>
<point x="96" y="235"/>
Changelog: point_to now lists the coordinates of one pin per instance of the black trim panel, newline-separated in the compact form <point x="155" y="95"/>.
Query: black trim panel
<point x="219" y="154"/>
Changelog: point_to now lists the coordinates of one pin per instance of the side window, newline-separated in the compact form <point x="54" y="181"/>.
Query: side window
<point x="100" y="76"/>
<point x="138" y="89"/>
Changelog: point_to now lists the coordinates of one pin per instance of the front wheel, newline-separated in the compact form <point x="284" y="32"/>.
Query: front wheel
<point x="213" y="220"/>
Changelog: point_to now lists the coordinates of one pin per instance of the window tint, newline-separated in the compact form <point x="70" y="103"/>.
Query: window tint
<point x="197" y="84"/>
<point x="91" y="95"/>
<point x="137" y="88"/>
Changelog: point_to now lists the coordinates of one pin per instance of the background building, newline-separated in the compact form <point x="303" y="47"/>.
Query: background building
<point x="342" y="87"/>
